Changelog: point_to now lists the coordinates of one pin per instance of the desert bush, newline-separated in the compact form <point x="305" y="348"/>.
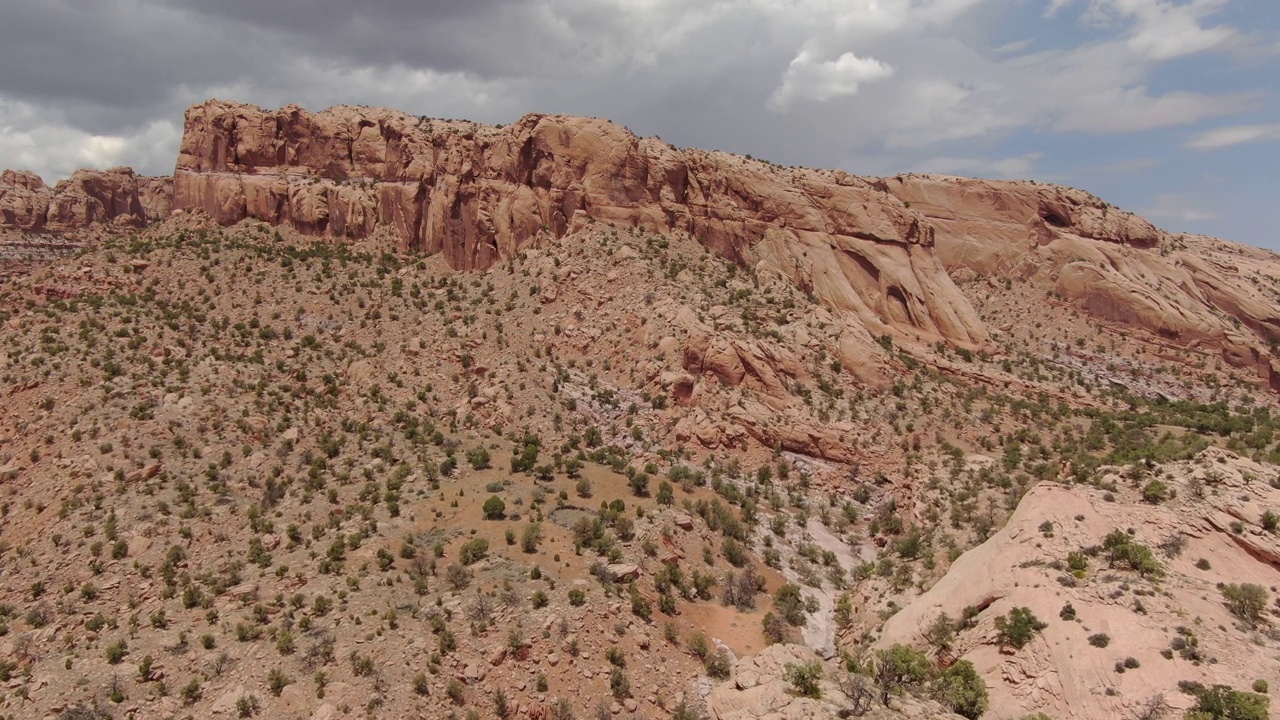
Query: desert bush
<point x="494" y="508"/>
<point x="899" y="668"/>
<point x="473" y="551"/>
<point x="1221" y="702"/>
<point x="1016" y="628"/>
<point x="804" y="678"/>
<point x="1246" y="601"/>
<point x="961" y="689"/>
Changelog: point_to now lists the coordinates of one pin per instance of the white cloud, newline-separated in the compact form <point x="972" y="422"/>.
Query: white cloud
<point x="820" y="81"/>
<point x="1014" y="47"/>
<point x="1178" y="208"/>
<point x="924" y="72"/>
<point x="1160" y="29"/>
<point x="1019" y="166"/>
<point x="53" y="149"/>
<point x="1234" y="135"/>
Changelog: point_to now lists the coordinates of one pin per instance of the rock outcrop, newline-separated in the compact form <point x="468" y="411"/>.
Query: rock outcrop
<point x="89" y="198"/>
<point x="1192" y="291"/>
<point x="479" y="194"/>
<point x="1066" y="671"/>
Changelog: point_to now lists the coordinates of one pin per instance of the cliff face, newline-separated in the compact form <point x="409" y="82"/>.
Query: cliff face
<point x="86" y="199"/>
<point x="479" y="194"/>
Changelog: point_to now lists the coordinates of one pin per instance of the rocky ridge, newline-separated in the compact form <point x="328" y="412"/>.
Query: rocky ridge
<point x="1191" y="291"/>
<point x="118" y="198"/>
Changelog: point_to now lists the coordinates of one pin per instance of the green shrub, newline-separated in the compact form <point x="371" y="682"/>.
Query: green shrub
<point x="1123" y="551"/>
<point x="640" y="605"/>
<point x="717" y="664"/>
<point x="961" y="689"/>
<point x="1270" y="521"/>
<point x="479" y="458"/>
<point x="530" y="536"/>
<point x="1018" y="627"/>
<point x="619" y="684"/>
<point x="1247" y="601"/>
<point x="191" y="691"/>
<point x="277" y="681"/>
<point x="697" y="645"/>
<point x="804" y="678"/>
<point x="899" y="668"/>
<point x="789" y="604"/>
<point x="1077" y="561"/>
<point x="117" y="651"/>
<point x="1221" y="702"/>
<point x="1155" y="492"/>
<point x="942" y="632"/>
<point x="473" y="551"/>
<point x="494" y="508"/>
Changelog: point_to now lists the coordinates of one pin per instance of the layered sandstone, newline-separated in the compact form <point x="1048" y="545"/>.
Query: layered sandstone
<point x="88" y="198"/>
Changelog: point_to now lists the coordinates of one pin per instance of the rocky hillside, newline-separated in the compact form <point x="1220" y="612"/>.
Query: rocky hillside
<point x="884" y="252"/>
<point x="363" y="414"/>
<point x="1190" y="291"/>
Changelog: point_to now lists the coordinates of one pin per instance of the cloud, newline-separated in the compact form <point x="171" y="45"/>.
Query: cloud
<point x="1234" y="135"/>
<point x="53" y="149"/>
<point x="908" y="81"/>
<point x="820" y="81"/>
<point x="1178" y="208"/>
<point x="1159" y="29"/>
<point x="1010" y="167"/>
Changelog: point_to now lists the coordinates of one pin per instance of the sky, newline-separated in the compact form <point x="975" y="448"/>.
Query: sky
<point x="1169" y="108"/>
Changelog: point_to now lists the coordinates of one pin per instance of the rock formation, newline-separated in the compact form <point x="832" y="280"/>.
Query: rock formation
<point x="1114" y="265"/>
<point x="884" y="254"/>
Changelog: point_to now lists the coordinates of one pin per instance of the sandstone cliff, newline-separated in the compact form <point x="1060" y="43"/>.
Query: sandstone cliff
<point x="479" y="194"/>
